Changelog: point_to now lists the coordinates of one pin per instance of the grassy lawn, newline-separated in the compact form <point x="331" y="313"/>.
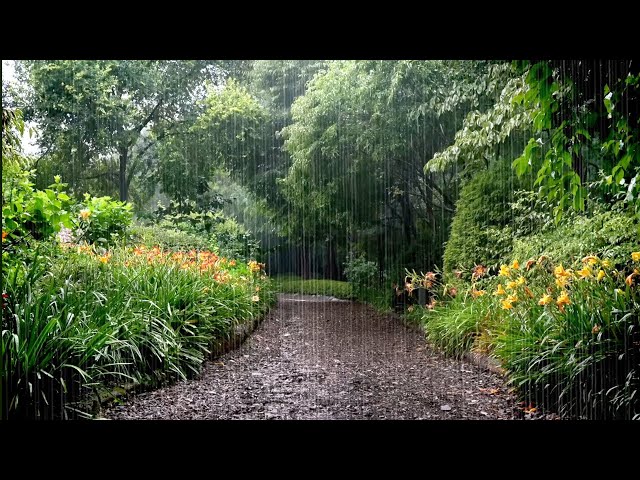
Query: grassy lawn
<point x="293" y="284"/>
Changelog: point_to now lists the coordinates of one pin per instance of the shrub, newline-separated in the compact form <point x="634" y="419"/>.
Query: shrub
<point x="232" y="239"/>
<point x="363" y="275"/>
<point x="28" y="213"/>
<point x="607" y="232"/>
<point x="169" y="238"/>
<point x="103" y="220"/>
<point x="228" y="236"/>
<point x="483" y="209"/>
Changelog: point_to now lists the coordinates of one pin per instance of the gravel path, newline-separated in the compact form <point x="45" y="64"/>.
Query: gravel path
<point x="321" y="358"/>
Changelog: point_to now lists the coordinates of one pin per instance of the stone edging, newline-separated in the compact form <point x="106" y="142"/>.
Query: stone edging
<point x="240" y="333"/>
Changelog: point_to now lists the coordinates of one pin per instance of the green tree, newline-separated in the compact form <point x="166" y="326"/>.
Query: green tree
<point x="359" y="140"/>
<point x="228" y="133"/>
<point x="101" y="118"/>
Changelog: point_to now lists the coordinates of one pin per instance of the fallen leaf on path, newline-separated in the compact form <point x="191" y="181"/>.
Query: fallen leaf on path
<point x="489" y="391"/>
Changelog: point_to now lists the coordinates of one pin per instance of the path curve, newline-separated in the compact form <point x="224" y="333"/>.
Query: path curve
<point x="319" y="358"/>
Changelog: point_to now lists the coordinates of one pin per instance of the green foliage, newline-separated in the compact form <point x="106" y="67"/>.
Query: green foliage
<point x="169" y="238"/>
<point x="100" y="117"/>
<point x="332" y="288"/>
<point x="223" y="234"/>
<point x="484" y="131"/>
<point x="577" y="354"/>
<point x="277" y="83"/>
<point x="585" y="120"/>
<point x="609" y="233"/>
<point x="29" y="213"/>
<point x="529" y="214"/>
<point x="12" y="130"/>
<point x="363" y="275"/>
<point x="454" y="326"/>
<point x="231" y="129"/>
<point x="47" y="347"/>
<point x="483" y="209"/>
<point x="341" y="183"/>
<point x="103" y="220"/>
<point x="74" y="321"/>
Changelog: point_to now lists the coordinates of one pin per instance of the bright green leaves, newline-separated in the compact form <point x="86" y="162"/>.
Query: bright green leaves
<point x="578" y="133"/>
<point x="531" y="155"/>
<point x="27" y="212"/>
<point x="608" y="104"/>
<point x="484" y="131"/>
<point x="102" y="220"/>
<point x="541" y="97"/>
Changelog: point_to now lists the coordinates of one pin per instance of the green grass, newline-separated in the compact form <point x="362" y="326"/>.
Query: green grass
<point x="454" y="326"/>
<point x="293" y="284"/>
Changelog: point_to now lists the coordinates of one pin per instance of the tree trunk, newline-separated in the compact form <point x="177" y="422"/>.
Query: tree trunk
<point x="331" y="264"/>
<point x="304" y="262"/>
<point x="124" y="186"/>
<point x="407" y="217"/>
<point x="381" y="257"/>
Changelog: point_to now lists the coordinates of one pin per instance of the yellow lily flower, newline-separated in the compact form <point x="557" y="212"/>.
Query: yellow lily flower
<point x="545" y="300"/>
<point x="507" y="305"/>
<point x="591" y="260"/>
<point x="585" y="272"/>
<point x="504" y="271"/>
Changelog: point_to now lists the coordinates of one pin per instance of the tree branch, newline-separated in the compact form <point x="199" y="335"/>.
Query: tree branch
<point x="149" y="117"/>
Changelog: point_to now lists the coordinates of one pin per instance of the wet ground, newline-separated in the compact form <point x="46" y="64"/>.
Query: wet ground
<point x="322" y="358"/>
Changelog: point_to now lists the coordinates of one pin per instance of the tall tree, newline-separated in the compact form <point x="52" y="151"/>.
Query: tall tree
<point x="359" y="139"/>
<point x="104" y="116"/>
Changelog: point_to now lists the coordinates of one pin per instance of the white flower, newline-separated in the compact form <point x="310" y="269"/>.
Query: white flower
<point x="65" y="235"/>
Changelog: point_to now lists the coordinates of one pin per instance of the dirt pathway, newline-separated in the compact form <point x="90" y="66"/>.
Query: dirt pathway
<point x="313" y="358"/>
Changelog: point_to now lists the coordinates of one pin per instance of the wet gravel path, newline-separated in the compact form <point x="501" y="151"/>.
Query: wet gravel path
<point x="317" y="358"/>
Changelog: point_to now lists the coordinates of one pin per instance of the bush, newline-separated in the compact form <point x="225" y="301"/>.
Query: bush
<point x="169" y="238"/>
<point x="483" y="209"/>
<point x="607" y="232"/>
<point x="232" y="238"/>
<point x="33" y="214"/>
<point x="229" y="237"/>
<point x="103" y="220"/>
<point x="363" y="275"/>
